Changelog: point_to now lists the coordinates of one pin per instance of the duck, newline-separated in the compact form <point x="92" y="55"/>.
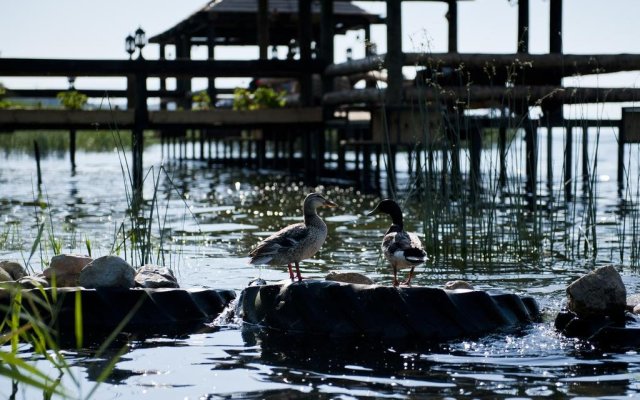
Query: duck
<point x="402" y="249"/>
<point x="295" y="242"/>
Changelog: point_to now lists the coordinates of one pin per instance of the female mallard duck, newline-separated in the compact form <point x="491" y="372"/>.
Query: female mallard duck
<point x="296" y="242"/>
<point x="402" y="249"/>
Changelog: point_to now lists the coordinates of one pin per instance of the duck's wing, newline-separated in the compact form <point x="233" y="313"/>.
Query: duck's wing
<point x="280" y="242"/>
<point x="405" y="245"/>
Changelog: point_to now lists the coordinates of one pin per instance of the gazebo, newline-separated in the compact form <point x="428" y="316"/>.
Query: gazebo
<point x="301" y="25"/>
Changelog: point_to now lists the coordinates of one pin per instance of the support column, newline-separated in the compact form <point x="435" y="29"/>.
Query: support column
<point x="139" y="124"/>
<point x="326" y="40"/>
<point x="72" y="148"/>
<point x="211" y="50"/>
<point x="452" y="16"/>
<point x="394" y="57"/>
<point x="531" y="146"/>
<point x="523" y="26"/>
<point x="555" y="26"/>
<point x="305" y="32"/>
<point x="263" y="28"/>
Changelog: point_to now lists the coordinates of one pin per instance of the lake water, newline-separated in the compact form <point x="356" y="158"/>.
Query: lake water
<point x="214" y="215"/>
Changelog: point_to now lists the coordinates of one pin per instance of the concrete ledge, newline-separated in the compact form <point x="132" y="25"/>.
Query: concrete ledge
<point x="339" y="310"/>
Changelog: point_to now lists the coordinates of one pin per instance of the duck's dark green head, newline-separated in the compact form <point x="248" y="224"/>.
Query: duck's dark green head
<point x="390" y="207"/>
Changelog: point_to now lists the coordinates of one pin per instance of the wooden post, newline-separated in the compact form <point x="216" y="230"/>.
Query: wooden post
<point x="555" y="26"/>
<point x="502" y="147"/>
<point x="36" y="151"/>
<point x="211" y="49"/>
<point x="263" y="28"/>
<point x="72" y="148"/>
<point x="326" y="41"/>
<point x="585" y="154"/>
<point x="139" y="124"/>
<point x="523" y="26"/>
<point x="452" y="17"/>
<point x="305" y="27"/>
<point x="475" y="156"/>
<point x="394" y="57"/>
<point x="531" y="146"/>
<point x="621" y="142"/>
<point x="568" y="163"/>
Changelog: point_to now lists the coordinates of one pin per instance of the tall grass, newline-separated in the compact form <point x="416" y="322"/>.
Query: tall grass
<point x="508" y="221"/>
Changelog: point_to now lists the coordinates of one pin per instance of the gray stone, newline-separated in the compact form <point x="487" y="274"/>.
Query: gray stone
<point x="14" y="269"/>
<point x="633" y="301"/>
<point x="108" y="272"/>
<point x="598" y="293"/>
<point x="4" y="276"/>
<point x="33" y="282"/>
<point x="349" y="277"/>
<point x="453" y="285"/>
<point x="154" y="276"/>
<point x="65" y="269"/>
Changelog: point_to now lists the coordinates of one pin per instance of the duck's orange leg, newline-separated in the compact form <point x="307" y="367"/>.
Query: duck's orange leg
<point x="298" y="273"/>
<point x="290" y="272"/>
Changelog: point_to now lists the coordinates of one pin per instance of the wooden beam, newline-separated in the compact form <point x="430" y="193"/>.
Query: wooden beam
<point x="492" y="95"/>
<point x="305" y="28"/>
<point x="567" y="64"/>
<point x="156" y="68"/>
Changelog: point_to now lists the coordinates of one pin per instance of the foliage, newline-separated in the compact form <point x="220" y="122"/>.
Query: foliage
<point x="72" y="99"/>
<point x="3" y="103"/>
<point x="201" y="100"/>
<point x="263" y="97"/>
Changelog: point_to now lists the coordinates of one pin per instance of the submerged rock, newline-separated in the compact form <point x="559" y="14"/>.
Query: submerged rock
<point x="600" y="293"/>
<point x="65" y="269"/>
<point x="453" y="285"/>
<point x="108" y="272"/>
<point x="154" y="276"/>
<point x="349" y="277"/>
<point x="14" y="269"/>
<point x="33" y="282"/>
<point x="4" y="276"/>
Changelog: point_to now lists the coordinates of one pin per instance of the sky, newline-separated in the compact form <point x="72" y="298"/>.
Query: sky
<point x="96" y="30"/>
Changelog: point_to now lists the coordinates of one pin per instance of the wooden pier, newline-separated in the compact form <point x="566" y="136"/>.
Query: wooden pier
<point x="314" y="133"/>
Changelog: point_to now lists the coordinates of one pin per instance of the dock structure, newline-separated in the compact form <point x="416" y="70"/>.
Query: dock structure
<point x="313" y="134"/>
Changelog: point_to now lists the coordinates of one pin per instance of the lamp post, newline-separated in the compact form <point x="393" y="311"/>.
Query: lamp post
<point x="130" y="45"/>
<point x="140" y="41"/>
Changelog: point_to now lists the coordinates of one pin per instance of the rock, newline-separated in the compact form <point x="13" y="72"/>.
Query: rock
<point x="33" y="282"/>
<point x="108" y="272"/>
<point x="66" y="269"/>
<point x="349" y="277"/>
<point x="4" y="276"/>
<point x="14" y="269"/>
<point x="598" y="293"/>
<point x="154" y="276"/>
<point x="453" y="285"/>
<point x="633" y="301"/>
<point x="636" y="309"/>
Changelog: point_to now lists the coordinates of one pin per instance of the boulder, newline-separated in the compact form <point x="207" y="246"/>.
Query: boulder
<point x="33" y="282"/>
<point x="598" y="294"/>
<point x="154" y="276"/>
<point x="349" y="277"/>
<point x="453" y="285"/>
<point x="5" y="276"/>
<point x="14" y="269"/>
<point x="108" y="272"/>
<point x="66" y="269"/>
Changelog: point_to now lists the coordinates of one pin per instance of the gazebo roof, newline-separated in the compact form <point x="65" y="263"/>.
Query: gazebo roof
<point x="234" y="22"/>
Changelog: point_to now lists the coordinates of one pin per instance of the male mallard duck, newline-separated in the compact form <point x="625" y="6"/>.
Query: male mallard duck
<point x="402" y="249"/>
<point x="296" y="242"/>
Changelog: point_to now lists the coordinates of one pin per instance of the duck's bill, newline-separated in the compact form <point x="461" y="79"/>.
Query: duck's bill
<point x="329" y="203"/>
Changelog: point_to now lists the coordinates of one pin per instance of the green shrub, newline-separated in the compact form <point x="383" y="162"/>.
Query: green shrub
<point x="261" y="98"/>
<point x="72" y="100"/>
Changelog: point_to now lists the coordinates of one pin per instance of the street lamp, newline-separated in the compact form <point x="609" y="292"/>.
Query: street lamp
<point x="130" y="45"/>
<point x="140" y="40"/>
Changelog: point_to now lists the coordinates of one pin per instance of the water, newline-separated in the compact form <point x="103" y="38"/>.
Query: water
<point x="213" y="216"/>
